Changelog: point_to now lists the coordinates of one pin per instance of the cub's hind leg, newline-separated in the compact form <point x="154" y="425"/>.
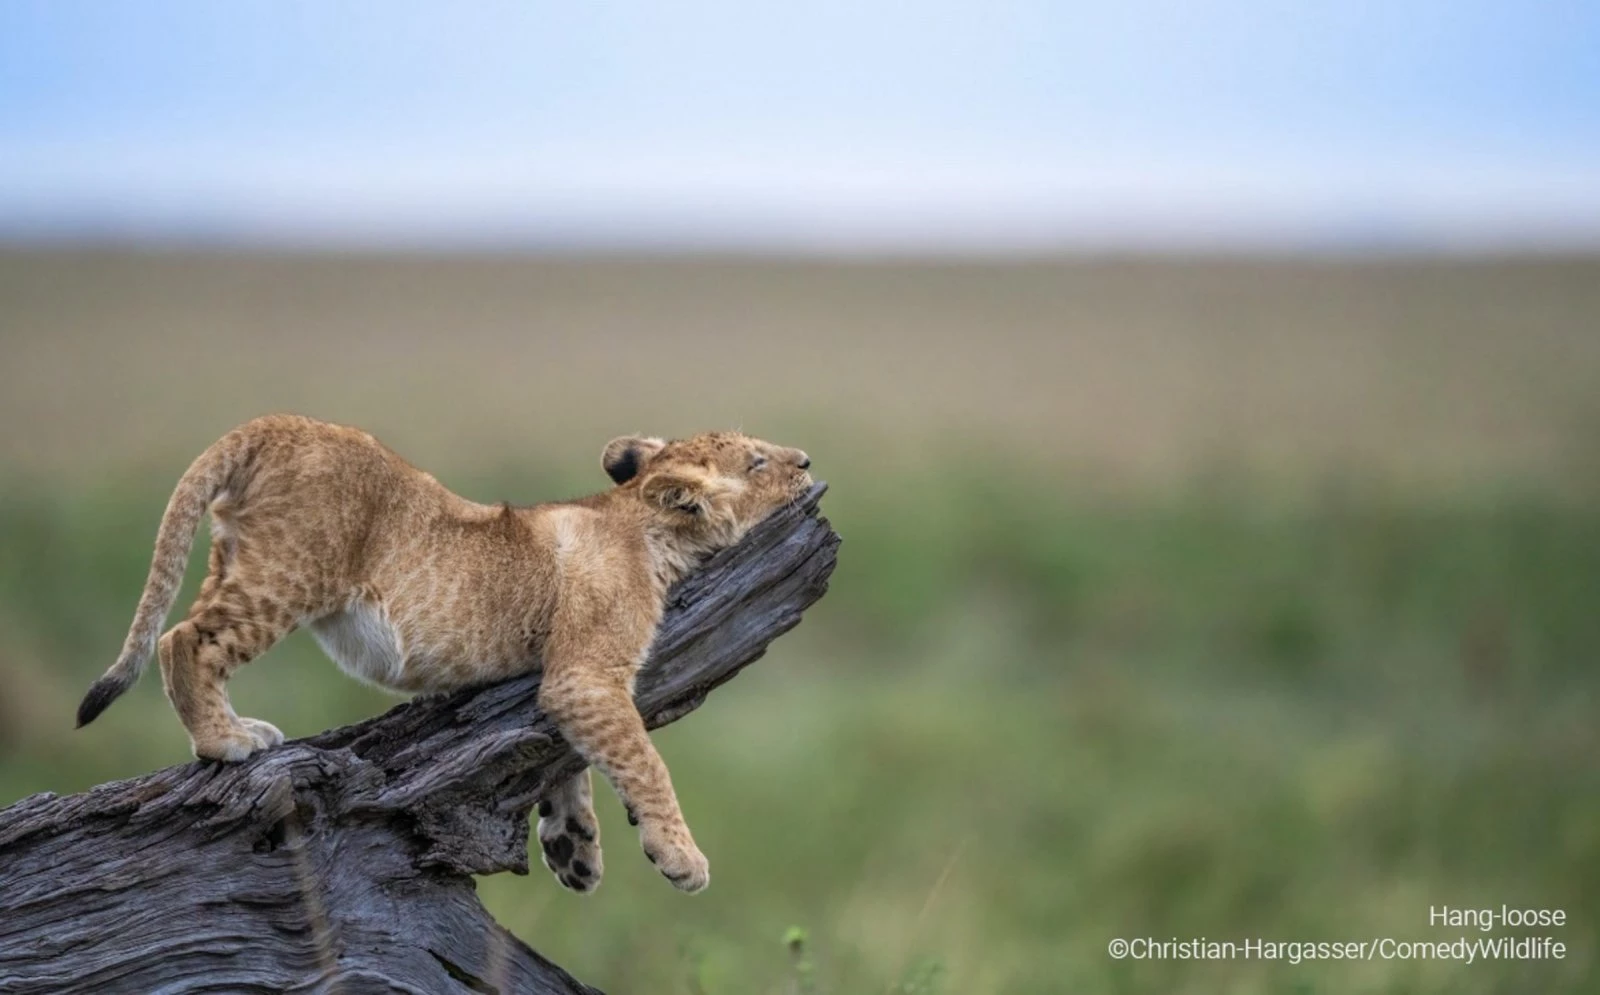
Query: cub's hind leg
<point x="199" y="654"/>
<point x="569" y="834"/>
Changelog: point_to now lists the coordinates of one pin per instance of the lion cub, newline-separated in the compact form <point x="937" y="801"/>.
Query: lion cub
<point x="411" y="587"/>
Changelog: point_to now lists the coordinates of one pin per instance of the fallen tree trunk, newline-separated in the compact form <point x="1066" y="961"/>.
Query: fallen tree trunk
<point x="344" y="862"/>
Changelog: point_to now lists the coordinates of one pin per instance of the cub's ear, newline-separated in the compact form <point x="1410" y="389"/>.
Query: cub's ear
<point x="624" y="457"/>
<point x="678" y="490"/>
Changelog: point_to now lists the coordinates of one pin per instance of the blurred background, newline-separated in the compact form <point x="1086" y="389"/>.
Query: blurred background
<point x="1210" y="394"/>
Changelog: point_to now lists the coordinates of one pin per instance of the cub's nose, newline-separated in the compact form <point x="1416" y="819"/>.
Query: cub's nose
<point x="804" y="462"/>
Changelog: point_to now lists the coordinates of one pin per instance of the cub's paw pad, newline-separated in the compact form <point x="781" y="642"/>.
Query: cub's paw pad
<point x="571" y="846"/>
<point x="559" y="850"/>
<point x="579" y="830"/>
<point x="574" y="882"/>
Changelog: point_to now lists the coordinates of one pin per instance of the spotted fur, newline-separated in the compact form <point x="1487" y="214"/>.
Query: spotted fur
<point x="414" y="588"/>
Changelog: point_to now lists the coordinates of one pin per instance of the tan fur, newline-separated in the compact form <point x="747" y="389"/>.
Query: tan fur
<point x="414" y="588"/>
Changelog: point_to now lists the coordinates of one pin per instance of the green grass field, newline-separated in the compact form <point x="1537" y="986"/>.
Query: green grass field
<point x="1041" y="707"/>
<point x="985" y="757"/>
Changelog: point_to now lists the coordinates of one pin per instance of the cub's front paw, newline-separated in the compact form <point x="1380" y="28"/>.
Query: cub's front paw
<point x="672" y="850"/>
<point x="571" y="845"/>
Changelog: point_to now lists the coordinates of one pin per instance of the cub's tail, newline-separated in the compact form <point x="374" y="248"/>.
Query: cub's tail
<point x="197" y="488"/>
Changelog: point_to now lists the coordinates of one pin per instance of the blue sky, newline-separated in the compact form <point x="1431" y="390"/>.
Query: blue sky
<point x="825" y="125"/>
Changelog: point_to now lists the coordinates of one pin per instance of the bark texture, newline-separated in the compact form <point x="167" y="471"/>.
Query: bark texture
<point x="344" y="862"/>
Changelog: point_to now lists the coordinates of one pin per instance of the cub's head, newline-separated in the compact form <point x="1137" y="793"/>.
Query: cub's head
<point x="715" y="486"/>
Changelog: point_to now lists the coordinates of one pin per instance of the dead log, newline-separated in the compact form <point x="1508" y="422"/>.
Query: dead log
<point x="344" y="862"/>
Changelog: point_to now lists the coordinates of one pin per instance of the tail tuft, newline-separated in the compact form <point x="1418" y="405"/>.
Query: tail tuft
<point x="101" y="694"/>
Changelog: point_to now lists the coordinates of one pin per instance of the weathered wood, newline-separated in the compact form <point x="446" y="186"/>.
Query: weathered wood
<point x="344" y="862"/>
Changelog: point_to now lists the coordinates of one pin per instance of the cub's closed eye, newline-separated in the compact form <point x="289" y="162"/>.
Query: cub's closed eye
<point x="758" y="462"/>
